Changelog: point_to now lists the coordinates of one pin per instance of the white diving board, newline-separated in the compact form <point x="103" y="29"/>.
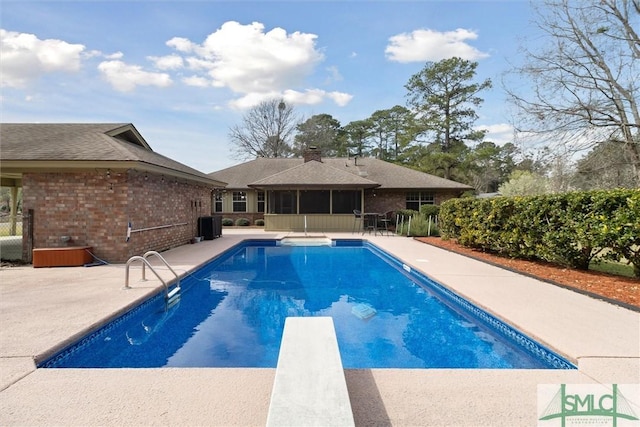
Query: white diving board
<point x="309" y="388"/>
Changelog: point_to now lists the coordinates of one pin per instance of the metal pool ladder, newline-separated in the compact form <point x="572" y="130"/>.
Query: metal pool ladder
<point x="170" y="296"/>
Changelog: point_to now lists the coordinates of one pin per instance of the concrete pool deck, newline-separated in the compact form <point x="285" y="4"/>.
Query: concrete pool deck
<point x="42" y="309"/>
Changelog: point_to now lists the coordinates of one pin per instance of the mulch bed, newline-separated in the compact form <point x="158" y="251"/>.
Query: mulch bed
<point x="619" y="290"/>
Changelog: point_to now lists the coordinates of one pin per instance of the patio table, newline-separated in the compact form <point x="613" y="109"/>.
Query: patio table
<point x="374" y="221"/>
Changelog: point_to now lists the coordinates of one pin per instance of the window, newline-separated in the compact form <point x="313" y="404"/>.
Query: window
<point x="345" y="201"/>
<point x="261" y="201"/>
<point x="217" y="205"/>
<point x="416" y="199"/>
<point x="282" y="202"/>
<point x="239" y="201"/>
<point x="315" y="201"/>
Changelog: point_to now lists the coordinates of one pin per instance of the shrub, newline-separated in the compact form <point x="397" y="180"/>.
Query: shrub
<point x="402" y="216"/>
<point x="227" y="221"/>
<point x="429" y="210"/>
<point x="571" y="229"/>
<point x="242" y="222"/>
<point x="260" y="222"/>
<point x="420" y="227"/>
<point x="623" y="231"/>
<point x="406" y="213"/>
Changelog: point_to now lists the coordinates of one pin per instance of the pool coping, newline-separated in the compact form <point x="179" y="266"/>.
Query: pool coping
<point x="603" y="339"/>
<point x="552" y="282"/>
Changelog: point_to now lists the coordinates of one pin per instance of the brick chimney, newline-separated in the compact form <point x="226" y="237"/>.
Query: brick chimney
<point x="312" y="153"/>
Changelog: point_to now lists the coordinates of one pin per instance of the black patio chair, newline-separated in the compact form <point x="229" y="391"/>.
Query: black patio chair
<point x="384" y="220"/>
<point x="357" y="220"/>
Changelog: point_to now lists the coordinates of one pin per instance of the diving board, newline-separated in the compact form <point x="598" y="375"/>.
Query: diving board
<point x="309" y="388"/>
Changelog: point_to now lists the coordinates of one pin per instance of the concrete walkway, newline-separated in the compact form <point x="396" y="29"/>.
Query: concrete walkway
<point x="43" y="309"/>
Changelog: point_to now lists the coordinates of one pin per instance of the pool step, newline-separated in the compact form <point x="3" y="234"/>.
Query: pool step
<point x="306" y="241"/>
<point x="309" y="388"/>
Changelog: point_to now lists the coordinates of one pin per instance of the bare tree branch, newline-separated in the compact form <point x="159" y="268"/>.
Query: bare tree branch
<point x="266" y="131"/>
<point x="585" y="77"/>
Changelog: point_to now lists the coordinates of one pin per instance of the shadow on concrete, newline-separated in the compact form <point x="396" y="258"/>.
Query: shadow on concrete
<point x="366" y="402"/>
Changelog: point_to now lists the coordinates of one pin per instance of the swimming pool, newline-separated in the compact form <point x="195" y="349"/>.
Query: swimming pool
<point x="231" y="313"/>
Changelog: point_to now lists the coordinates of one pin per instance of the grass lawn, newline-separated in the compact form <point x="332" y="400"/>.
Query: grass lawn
<point x="5" y="229"/>
<point x="613" y="267"/>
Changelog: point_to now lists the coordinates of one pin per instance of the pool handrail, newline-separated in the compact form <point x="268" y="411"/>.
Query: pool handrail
<point x="146" y="262"/>
<point x="164" y="261"/>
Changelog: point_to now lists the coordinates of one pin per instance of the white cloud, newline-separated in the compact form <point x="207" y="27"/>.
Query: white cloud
<point x="334" y="75"/>
<point x="246" y="59"/>
<point x="125" y="78"/>
<point x="254" y="63"/>
<point x="196" y="81"/>
<point x="25" y="57"/>
<point x="429" y="45"/>
<point x="197" y="64"/>
<point x="340" y="98"/>
<point x="181" y="44"/>
<point x="252" y="99"/>
<point x="307" y="97"/>
<point x="116" y="55"/>
<point x="500" y="133"/>
<point x="92" y="54"/>
<point x="168" y="62"/>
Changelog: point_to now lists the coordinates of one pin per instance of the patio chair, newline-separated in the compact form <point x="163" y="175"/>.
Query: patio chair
<point x="357" y="220"/>
<point x="384" y="220"/>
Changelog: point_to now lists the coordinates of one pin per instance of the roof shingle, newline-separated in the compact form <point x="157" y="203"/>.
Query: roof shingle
<point x="313" y="174"/>
<point x="90" y="142"/>
<point x="270" y="172"/>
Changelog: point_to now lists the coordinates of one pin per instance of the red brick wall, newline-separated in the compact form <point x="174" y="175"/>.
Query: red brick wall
<point x="383" y="201"/>
<point x="443" y="196"/>
<point x="393" y="200"/>
<point x="94" y="208"/>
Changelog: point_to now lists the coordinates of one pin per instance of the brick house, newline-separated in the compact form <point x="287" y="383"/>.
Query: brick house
<point x="101" y="185"/>
<point x="323" y="192"/>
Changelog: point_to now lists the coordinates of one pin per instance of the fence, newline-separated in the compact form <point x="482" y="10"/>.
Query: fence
<point x="12" y="230"/>
<point x="417" y="225"/>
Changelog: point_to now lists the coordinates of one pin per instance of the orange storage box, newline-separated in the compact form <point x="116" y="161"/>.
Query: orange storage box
<point x="68" y="256"/>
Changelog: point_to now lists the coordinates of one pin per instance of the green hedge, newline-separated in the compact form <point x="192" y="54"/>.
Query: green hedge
<point x="570" y="229"/>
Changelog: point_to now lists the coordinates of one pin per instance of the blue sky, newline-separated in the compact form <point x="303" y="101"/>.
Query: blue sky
<point x="184" y="72"/>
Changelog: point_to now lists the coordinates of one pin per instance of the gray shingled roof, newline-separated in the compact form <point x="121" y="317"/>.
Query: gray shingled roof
<point x="263" y="171"/>
<point x="72" y="142"/>
<point x="313" y="174"/>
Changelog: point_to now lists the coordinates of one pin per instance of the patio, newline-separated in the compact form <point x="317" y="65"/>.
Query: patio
<point x="42" y="309"/>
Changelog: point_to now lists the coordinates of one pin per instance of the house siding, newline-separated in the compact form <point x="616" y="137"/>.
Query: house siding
<point x="378" y="201"/>
<point x="94" y="209"/>
<point x="252" y="206"/>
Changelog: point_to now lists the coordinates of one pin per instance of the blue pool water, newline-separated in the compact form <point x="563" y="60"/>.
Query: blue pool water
<point x="231" y="313"/>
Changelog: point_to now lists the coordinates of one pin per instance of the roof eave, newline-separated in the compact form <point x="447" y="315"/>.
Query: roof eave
<point x="312" y="186"/>
<point x="35" y="166"/>
<point x="130" y="127"/>
<point x="461" y="188"/>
